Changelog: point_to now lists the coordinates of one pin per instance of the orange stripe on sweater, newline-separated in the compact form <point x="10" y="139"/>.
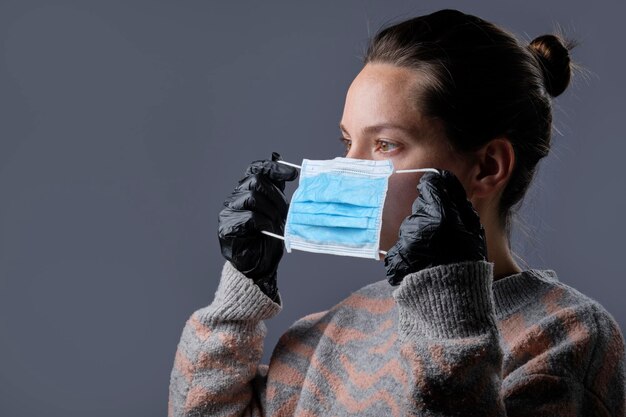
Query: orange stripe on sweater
<point x="366" y="379"/>
<point x="578" y="335"/>
<point x="532" y="347"/>
<point x="207" y="361"/>
<point x="241" y="351"/>
<point x="551" y="299"/>
<point x="512" y="328"/>
<point x="614" y="351"/>
<point x="384" y="348"/>
<point x="576" y="341"/>
<point x="183" y="365"/>
<point x="199" y="397"/>
<point x="532" y="350"/>
<point x="202" y="332"/>
<point x="281" y="372"/>
<point x="313" y="316"/>
<point x="345" y="398"/>
<point x="474" y="361"/>
<point x="307" y="413"/>
<point x="170" y="407"/>
<point x="415" y="363"/>
<point x="295" y="345"/>
<point x="478" y="354"/>
<point x="358" y="406"/>
<point x="316" y="392"/>
<point x="288" y="406"/>
<point x="341" y="334"/>
<point x="371" y="305"/>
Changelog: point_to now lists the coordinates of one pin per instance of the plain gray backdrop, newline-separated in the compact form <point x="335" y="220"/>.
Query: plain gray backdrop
<point x="124" y="125"/>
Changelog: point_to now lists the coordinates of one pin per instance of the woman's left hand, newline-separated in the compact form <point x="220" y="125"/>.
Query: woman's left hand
<point x="443" y="228"/>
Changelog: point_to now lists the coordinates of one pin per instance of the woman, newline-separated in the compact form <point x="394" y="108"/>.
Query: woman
<point x="457" y="327"/>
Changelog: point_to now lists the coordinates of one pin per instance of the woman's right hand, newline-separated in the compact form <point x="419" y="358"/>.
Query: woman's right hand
<point x="257" y="203"/>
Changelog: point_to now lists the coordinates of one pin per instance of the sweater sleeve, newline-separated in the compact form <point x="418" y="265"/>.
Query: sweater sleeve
<point x="451" y="345"/>
<point x="216" y="369"/>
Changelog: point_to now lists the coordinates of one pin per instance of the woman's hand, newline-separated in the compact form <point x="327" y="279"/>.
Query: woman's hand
<point x="444" y="228"/>
<point x="256" y="204"/>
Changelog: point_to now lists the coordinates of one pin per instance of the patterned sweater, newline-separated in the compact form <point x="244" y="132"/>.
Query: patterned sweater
<point x="448" y="341"/>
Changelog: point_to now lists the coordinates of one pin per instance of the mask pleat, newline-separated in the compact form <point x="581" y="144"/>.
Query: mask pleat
<point x="343" y="235"/>
<point x="341" y="209"/>
<point x="323" y="188"/>
<point x="331" y="220"/>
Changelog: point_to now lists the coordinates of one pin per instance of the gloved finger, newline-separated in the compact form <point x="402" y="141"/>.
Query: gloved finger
<point x="421" y="226"/>
<point x="261" y="184"/>
<point x="242" y="223"/>
<point x="394" y="265"/>
<point x="455" y="190"/>
<point x="278" y="173"/>
<point x="432" y="185"/>
<point x="457" y="200"/>
<point x="431" y="198"/>
<point x="445" y="190"/>
<point x="397" y="263"/>
<point x="256" y="201"/>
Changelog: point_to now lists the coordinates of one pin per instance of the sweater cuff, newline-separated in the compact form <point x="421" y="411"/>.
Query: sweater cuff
<point x="238" y="298"/>
<point x="447" y="301"/>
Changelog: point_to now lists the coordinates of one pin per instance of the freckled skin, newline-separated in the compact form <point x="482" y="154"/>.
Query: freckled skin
<point x="381" y="93"/>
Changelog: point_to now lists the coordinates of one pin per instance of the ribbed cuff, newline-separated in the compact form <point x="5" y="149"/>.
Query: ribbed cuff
<point x="238" y="298"/>
<point x="447" y="301"/>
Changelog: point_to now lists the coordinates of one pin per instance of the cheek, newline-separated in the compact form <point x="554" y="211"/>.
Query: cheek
<point x="400" y="196"/>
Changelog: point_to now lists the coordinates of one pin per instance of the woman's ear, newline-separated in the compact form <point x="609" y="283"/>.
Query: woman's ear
<point x="493" y="166"/>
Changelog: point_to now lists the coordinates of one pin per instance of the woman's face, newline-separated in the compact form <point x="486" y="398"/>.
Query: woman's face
<point x="381" y="121"/>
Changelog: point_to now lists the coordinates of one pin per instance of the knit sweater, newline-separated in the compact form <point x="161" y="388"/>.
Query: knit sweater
<point x="448" y="341"/>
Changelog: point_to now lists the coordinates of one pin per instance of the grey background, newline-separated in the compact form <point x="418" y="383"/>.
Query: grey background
<point x="124" y="125"/>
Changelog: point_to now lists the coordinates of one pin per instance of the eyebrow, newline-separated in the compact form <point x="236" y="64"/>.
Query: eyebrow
<point x="378" y="128"/>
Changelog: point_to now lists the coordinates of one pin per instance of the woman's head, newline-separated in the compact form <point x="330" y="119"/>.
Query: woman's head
<point x="471" y="99"/>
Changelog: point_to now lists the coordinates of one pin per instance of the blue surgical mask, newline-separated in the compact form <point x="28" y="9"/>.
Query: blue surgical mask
<point x="338" y="206"/>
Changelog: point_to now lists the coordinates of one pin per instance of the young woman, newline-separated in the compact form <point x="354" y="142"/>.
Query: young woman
<point x="457" y="327"/>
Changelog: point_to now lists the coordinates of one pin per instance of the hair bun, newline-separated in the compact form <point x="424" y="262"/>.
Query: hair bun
<point x="552" y="53"/>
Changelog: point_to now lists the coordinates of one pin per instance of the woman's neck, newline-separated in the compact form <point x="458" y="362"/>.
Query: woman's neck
<point x="499" y="253"/>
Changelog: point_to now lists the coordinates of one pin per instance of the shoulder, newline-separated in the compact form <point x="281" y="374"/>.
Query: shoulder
<point x="545" y="300"/>
<point x="564" y="337"/>
<point x="566" y="303"/>
<point x="563" y="332"/>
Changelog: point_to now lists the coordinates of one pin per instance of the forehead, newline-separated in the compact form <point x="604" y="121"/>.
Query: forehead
<point x="383" y="92"/>
<point x="385" y="74"/>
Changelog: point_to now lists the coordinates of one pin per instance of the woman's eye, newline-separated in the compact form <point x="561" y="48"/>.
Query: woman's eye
<point x="386" y="146"/>
<point x="346" y="143"/>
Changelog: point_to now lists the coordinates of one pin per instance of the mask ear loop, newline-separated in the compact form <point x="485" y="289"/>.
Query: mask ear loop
<point x="289" y="163"/>
<point x="402" y="171"/>
<point x="274" y="234"/>
<point x="399" y="171"/>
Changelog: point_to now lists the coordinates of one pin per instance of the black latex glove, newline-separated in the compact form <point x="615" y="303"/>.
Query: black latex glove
<point x="443" y="228"/>
<point x="257" y="203"/>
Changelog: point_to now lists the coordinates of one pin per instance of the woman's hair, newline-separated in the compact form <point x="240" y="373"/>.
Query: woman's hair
<point x="482" y="83"/>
